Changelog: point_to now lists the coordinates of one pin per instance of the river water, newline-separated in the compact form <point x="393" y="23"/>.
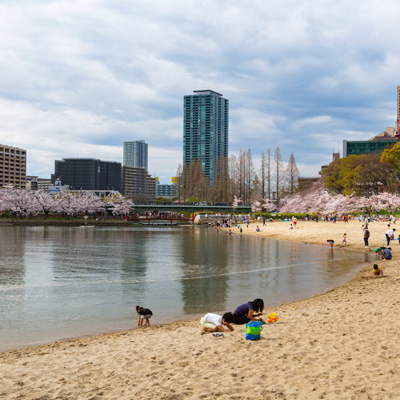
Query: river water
<point x="63" y="282"/>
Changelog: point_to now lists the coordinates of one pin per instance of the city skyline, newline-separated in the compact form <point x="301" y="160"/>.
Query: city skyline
<point x="80" y="78"/>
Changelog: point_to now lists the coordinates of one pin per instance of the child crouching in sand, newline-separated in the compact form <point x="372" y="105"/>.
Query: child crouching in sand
<point x="143" y="313"/>
<point x="213" y="322"/>
<point x="377" y="271"/>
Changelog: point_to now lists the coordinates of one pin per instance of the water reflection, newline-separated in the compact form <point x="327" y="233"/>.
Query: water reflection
<point x="204" y="256"/>
<point x="12" y="275"/>
<point x="12" y="267"/>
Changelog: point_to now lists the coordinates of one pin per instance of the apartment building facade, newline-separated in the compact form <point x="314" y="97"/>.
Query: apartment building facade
<point x="139" y="185"/>
<point x="205" y="129"/>
<point x="12" y="166"/>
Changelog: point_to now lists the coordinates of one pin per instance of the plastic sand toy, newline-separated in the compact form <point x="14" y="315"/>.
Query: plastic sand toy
<point x="272" y="317"/>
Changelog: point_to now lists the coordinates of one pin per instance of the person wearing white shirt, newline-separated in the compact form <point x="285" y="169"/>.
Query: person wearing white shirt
<point x="389" y="235"/>
<point x="214" y="322"/>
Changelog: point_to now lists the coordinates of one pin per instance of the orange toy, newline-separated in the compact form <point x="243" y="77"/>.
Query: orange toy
<point x="272" y="317"/>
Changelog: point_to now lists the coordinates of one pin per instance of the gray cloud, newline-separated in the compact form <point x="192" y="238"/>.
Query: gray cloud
<point x="79" y="78"/>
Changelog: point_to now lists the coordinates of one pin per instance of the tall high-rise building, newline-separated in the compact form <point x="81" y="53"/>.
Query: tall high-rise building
<point x="205" y="129"/>
<point x="135" y="154"/>
<point x="12" y="166"/>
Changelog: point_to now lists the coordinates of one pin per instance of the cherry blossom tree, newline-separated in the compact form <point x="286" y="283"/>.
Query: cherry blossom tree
<point x="256" y="206"/>
<point x="263" y="205"/>
<point x="45" y="202"/>
<point x="385" y="201"/>
<point x="65" y="203"/>
<point x="20" y="201"/>
<point x="87" y="202"/>
<point x="120" y="204"/>
<point x="236" y="202"/>
<point x="5" y="199"/>
<point x="318" y="199"/>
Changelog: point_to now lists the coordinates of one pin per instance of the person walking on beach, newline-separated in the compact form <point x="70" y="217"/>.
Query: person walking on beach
<point x="214" y="322"/>
<point x="143" y="313"/>
<point x="249" y="311"/>
<point x="377" y="271"/>
<point x="366" y="237"/>
<point x="389" y="235"/>
<point x="344" y="240"/>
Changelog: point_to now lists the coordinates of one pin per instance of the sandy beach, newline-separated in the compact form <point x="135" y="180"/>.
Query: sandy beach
<point x="343" y="344"/>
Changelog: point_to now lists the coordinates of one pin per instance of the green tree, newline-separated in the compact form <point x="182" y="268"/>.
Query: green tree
<point x="362" y="175"/>
<point x="392" y="156"/>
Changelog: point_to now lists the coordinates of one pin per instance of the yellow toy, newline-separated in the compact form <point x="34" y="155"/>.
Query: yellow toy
<point x="272" y="317"/>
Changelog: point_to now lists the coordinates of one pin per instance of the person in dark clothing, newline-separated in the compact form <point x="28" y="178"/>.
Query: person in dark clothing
<point x="248" y="312"/>
<point x="143" y="314"/>
<point x="384" y="253"/>
<point x="366" y="237"/>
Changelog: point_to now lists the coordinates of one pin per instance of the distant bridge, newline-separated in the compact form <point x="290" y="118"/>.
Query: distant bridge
<point x="191" y="208"/>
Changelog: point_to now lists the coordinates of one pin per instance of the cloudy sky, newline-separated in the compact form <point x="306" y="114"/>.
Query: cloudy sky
<point x="80" y="77"/>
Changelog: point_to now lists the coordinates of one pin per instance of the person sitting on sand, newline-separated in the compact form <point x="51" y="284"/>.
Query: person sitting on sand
<point x="143" y="313"/>
<point x="291" y="226"/>
<point x="258" y="229"/>
<point x="377" y="271"/>
<point x="248" y="312"/>
<point x="214" y="322"/>
<point x="384" y="253"/>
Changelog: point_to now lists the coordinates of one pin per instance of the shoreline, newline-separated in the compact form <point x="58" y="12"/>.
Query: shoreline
<point x="161" y="319"/>
<point x="342" y="343"/>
